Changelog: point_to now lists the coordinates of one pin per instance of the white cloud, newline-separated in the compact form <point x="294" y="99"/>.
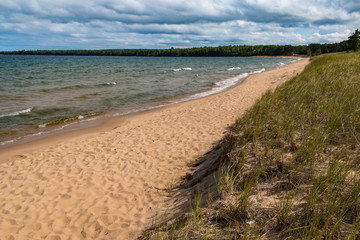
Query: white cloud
<point x="332" y="37"/>
<point x="164" y="23"/>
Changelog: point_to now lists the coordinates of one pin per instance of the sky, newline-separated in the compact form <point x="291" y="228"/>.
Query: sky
<point x="109" y="24"/>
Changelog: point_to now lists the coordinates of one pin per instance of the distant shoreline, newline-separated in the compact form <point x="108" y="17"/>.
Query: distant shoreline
<point x="221" y="51"/>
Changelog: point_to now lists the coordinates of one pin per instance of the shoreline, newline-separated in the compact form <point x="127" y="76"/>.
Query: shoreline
<point x="89" y="122"/>
<point x="109" y="181"/>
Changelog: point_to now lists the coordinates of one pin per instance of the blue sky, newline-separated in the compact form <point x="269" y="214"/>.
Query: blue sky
<point x="89" y="24"/>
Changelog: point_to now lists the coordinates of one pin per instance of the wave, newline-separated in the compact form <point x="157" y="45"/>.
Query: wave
<point x="16" y="113"/>
<point x="7" y="142"/>
<point x="110" y="83"/>
<point x="230" y="81"/>
<point x="180" y="69"/>
<point x="219" y="87"/>
<point x="259" y="71"/>
<point x="65" y="88"/>
<point x="78" y="86"/>
<point x="234" y="68"/>
<point x="62" y="120"/>
<point x="223" y="85"/>
<point x="87" y="96"/>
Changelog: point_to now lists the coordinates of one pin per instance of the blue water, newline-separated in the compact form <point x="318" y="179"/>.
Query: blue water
<point x="39" y="94"/>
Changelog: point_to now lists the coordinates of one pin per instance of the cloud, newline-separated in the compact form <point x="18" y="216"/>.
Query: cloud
<point x="331" y="37"/>
<point x="164" y="23"/>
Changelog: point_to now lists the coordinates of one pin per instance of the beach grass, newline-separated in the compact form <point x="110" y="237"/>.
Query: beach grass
<point x="292" y="168"/>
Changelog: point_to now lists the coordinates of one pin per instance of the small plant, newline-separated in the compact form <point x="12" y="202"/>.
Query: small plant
<point x="196" y="211"/>
<point x="225" y="182"/>
<point x="170" y="187"/>
<point x="283" y="210"/>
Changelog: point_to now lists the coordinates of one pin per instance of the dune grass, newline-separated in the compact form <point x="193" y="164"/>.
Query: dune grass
<point x="292" y="166"/>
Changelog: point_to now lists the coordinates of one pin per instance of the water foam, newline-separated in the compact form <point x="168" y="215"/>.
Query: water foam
<point x="234" y="68"/>
<point x="47" y="131"/>
<point x="16" y="113"/>
<point x="219" y="87"/>
<point x="259" y="71"/>
<point x="182" y="69"/>
<point x="223" y="85"/>
<point x="111" y="83"/>
<point x="7" y="142"/>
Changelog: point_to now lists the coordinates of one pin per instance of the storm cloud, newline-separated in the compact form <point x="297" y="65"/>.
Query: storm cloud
<point x="84" y="24"/>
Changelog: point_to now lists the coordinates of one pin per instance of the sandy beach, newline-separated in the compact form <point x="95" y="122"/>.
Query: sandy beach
<point x="109" y="181"/>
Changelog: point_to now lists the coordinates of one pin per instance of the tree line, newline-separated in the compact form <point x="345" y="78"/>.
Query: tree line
<point x="221" y="51"/>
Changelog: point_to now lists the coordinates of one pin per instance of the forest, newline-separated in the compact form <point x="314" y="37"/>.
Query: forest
<point x="221" y="51"/>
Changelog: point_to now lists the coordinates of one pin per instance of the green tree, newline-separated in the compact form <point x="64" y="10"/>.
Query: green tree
<point x="354" y="41"/>
<point x="308" y="52"/>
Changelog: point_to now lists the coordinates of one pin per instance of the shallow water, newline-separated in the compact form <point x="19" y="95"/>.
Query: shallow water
<point x="40" y="94"/>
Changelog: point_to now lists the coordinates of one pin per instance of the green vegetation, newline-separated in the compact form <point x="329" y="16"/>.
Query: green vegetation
<point x="221" y="51"/>
<point x="354" y="41"/>
<point x="313" y="49"/>
<point x="290" y="166"/>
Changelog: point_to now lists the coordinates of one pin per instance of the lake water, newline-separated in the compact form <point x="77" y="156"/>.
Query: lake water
<point x="44" y="94"/>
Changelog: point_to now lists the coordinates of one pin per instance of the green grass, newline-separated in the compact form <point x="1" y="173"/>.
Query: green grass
<point x="292" y="166"/>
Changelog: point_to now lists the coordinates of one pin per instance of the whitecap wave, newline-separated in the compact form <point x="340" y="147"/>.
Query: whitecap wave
<point x="219" y="86"/>
<point x="259" y="71"/>
<point x="7" y="142"/>
<point x="181" y="69"/>
<point x="111" y="83"/>
<point x="234" y="68"/>
<point x="223" y="85"/>
<point x="16" y="113"/>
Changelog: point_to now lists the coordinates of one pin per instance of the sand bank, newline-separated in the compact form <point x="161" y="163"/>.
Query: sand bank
<point x="107" y="182"/>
